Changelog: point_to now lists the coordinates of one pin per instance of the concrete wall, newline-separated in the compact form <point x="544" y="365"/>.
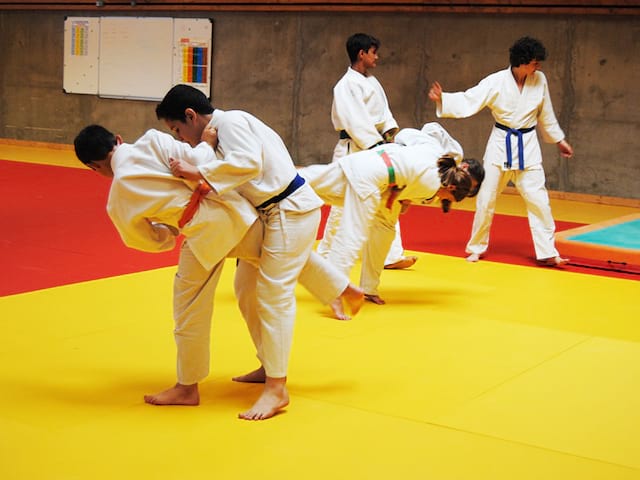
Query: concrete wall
<point x="282" y="67"/>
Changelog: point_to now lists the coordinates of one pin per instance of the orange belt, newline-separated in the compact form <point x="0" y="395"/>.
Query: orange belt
<point x="395" y="191"/>
<point x="192" y="207"/>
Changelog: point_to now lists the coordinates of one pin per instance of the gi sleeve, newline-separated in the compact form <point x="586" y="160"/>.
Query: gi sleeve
<point x="136" y="231"/>
<point x="549" y="128"/>
<point x="243" y="156"/>
<point x="467" y="103"/>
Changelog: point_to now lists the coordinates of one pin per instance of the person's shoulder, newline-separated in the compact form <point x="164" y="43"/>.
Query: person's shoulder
<point x="351" y="76"/>
<point x="540" y="76"/>
<point x="344" y="79"/>
<point x="493" y="80"/>
<point x="156" y="136"/>
<point x="500" y="73"/>
<point x="233" y="115"/>
<point x="230" y="118"/>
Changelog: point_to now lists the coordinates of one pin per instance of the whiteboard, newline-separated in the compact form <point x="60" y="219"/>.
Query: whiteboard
<point x="136" y="57"/>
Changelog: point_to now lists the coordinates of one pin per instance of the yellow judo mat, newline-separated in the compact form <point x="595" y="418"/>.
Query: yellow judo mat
<point x="471" y="371"/>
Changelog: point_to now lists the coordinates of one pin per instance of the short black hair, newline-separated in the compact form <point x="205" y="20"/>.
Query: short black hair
<point x="93" y="144"/>
<point x="360" y="41"/>
<point x="178" y="99"/>
<point x="526" y="49"/>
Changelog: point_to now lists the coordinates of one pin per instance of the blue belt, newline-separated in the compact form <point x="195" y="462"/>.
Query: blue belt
<point x="295" y="184"/>
<point x="515" y="131"/>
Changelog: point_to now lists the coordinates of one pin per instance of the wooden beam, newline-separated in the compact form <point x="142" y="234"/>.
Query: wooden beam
<point x="564" y="7"/>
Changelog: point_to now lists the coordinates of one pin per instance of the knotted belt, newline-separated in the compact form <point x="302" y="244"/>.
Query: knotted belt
<point x="295" y="184"/>
<point x="518" y="132"/>
<point x="395" y="190"/>
<point x="344" y="135"/>
<point x="194" y="202"/>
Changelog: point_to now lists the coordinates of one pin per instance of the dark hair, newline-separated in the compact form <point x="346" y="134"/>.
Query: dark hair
<point x="178" y="99"/>
<point x="93" y="144"/>
<point x="476" y="170"/>
<point x="451" y="174"/>
<point x="360" y="41"/>
<point x="525" y="50"/>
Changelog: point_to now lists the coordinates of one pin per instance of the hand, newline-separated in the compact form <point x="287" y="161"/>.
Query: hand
<point x="210" y="135"/>
<point x="159" y="227"/>
<point x="435" y="93"/>
<point x="183" y="169"/>
<point x="566" y="150"/>
<point x="389" y="135"/>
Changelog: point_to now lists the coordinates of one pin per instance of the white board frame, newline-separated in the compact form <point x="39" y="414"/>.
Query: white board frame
<point x="138" y="58"/>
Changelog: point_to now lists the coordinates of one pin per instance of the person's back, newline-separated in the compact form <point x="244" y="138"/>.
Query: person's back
<point x="143" y="188"/>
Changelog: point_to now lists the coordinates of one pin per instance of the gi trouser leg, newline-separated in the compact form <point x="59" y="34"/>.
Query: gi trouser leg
<point x="193" y="292"/>
<point x="288" y="240"/>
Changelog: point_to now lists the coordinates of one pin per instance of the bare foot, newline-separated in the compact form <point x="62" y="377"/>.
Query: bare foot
<point x="274" y="398"/>
<point x="257" y="376"/>
<point x="177" y="395"/>
<point x="404" y="262"/>
<point x="474" y="257"/>
<point x="338" y="309"/>
<point x="554" y="261"/>
<point x="352" y="298"/>
<point x="374" y="299"/>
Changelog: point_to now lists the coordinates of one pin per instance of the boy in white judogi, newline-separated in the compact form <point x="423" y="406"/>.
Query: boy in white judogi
<point x="147" y="206"/>
<point x="360" y="114"/>
<point x="519" y="100"/>
<point x="252" y="159"/>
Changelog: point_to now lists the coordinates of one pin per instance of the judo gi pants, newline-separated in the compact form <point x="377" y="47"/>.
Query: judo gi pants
<point x="366" y="226"/>
<point x="266" y="293"/>
<point x="395" y="252"/>
<point x="194" y="290"/>
<point x="530" y="183"/>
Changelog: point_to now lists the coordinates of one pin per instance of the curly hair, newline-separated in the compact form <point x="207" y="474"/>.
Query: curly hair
<point x="526" y="49"/>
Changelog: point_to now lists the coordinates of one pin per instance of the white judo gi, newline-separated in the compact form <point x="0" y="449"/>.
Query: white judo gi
<point x="145" y="204"/>
<point x="359" y="182"/>
<point x="514" y="109"/>
<point x="253" y="160"/>
<point x="361" y="109"/>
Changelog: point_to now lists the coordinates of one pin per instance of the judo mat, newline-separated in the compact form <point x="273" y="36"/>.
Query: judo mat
<point x="612" y="244"/>
<point x="493" y="370"/>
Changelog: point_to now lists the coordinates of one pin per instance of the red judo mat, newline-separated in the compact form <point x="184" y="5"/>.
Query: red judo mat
<point x="56" y="232"/>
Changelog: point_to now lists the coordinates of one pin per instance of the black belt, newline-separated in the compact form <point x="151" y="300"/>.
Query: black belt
<point x="345" y="136"/>
<point x="518" y="132"/>
<point x="295" y="184"/>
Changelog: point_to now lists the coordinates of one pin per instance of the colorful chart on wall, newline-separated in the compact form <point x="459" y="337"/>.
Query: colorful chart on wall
<point x="136" y="57"/>
<point x="81" y="41"/>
